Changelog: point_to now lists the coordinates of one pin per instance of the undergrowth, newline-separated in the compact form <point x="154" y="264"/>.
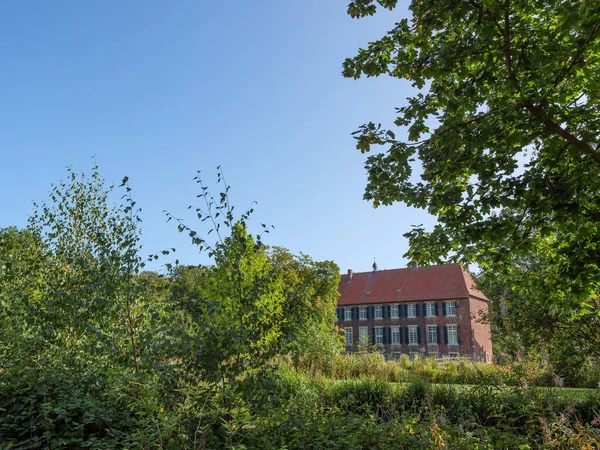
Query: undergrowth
<point x="369" y="412"/>
<point x="373" y="364"/>
<point x="286" y="408"/>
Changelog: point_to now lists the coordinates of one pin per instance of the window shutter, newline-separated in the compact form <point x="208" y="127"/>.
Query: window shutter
<point x="337" y="313"/>
<point x="383" y="311"/>
<point x="357" y="312"/>
<point x="373" y="312"/>
<point x="405" y="310"/>
<point x="389" y="313"/>
<point x="373" y="336"/>
<point x="436" y="309"/>
<point x="439" y="336"/>
<point x="446" y="334"/>
<point x="383" y="331"/>
<point x="444" y="308"/>
<point x="458" y="334"/>
<point x="417" y="309"/>
<point x="418" y="335"/>
<point x="399" y="310"/>
<point x="424" y="309"/>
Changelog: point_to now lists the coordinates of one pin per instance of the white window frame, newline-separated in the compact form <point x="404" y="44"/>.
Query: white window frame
<point x="347" y="314"/>
<point x="396" y="355"/>
<point x="378" y="312"/>
<point x="451" y="305"/>
<point x="414" y="355"/>
<point x="378" y="335"/>
<point x="431" y="334"/>
<point x="394" y="311"/>
<point x="435" y="355"/>
<point x="452" y="334"/>
<point x="430" y="309"/>
<point x="349" y="336"/>
<point x="411" y="310"/>
<point x="363" y="335"/>
<point x="413" y="335"/>
<point x="362" y="313"/>
<point x="395" y="331"/>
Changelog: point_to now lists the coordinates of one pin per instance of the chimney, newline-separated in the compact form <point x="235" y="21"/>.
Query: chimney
<point x="350" y="273"/>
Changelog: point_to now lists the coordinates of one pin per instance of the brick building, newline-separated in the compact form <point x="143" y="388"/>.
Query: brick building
<point x="425" y="311"/>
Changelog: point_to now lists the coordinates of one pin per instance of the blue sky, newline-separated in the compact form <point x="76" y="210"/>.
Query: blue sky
<point x="156" y="90"/>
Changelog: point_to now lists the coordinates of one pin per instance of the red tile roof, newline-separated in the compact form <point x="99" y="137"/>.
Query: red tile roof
<point x="403" y="285"/>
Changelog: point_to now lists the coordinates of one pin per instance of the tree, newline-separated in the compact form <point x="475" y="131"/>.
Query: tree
<point x="232" y="310"/>
<point x="235" y="309"/>
<point x="252" y="303"/>
<point x="505" y="127"/>
<point x="22" y="256"/>
<point x="526" y="326"/>
<point x="311" y="293"/>
<point x="70" y="277"/>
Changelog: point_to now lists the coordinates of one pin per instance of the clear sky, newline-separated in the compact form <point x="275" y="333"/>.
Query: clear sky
<point x="156" y="90"/>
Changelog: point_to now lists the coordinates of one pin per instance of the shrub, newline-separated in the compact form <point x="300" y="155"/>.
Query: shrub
<point x="53" y="409"/>
<point x="360" y="396"/>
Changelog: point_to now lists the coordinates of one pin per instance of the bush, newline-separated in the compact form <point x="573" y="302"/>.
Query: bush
<point x="52" y="409"/>
<point x="371" y="413"/>
<point x="360" y="396"/>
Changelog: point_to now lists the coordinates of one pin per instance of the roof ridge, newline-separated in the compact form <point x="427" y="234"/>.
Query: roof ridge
<point x="441" y="282"/>
<point x="399" y="269"/>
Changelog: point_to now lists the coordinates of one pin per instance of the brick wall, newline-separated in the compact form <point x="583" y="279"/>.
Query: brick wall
<point x="474" y="339"/>
<point x="481" y="338"/>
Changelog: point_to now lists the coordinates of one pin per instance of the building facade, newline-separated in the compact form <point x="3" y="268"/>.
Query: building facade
<point x="422" y="312"/>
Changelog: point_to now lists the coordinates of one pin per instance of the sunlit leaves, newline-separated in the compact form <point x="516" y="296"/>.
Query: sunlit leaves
<point x="86" y="272"/>
<point x="504" y="127"/>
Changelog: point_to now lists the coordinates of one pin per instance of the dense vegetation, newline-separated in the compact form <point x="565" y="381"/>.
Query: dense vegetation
<point x="242" y="353"/>
<point x="527" y="372"/>
<point x="500" y="143"/>
<point x="526" y="327"/>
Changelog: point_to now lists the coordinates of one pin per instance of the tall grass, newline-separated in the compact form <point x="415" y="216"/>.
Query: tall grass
<point x="370" y="412"/>
<point x="403" y="370"/>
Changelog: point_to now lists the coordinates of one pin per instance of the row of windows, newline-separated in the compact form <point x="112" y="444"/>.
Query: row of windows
<point x="395" y="311"/>
<point x="419" y="355"/>
<point x="404" y="335"/>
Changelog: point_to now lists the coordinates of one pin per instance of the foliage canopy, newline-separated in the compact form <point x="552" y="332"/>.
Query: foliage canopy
<point x="92" y="348"/>
<point x="505" y="126"/>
